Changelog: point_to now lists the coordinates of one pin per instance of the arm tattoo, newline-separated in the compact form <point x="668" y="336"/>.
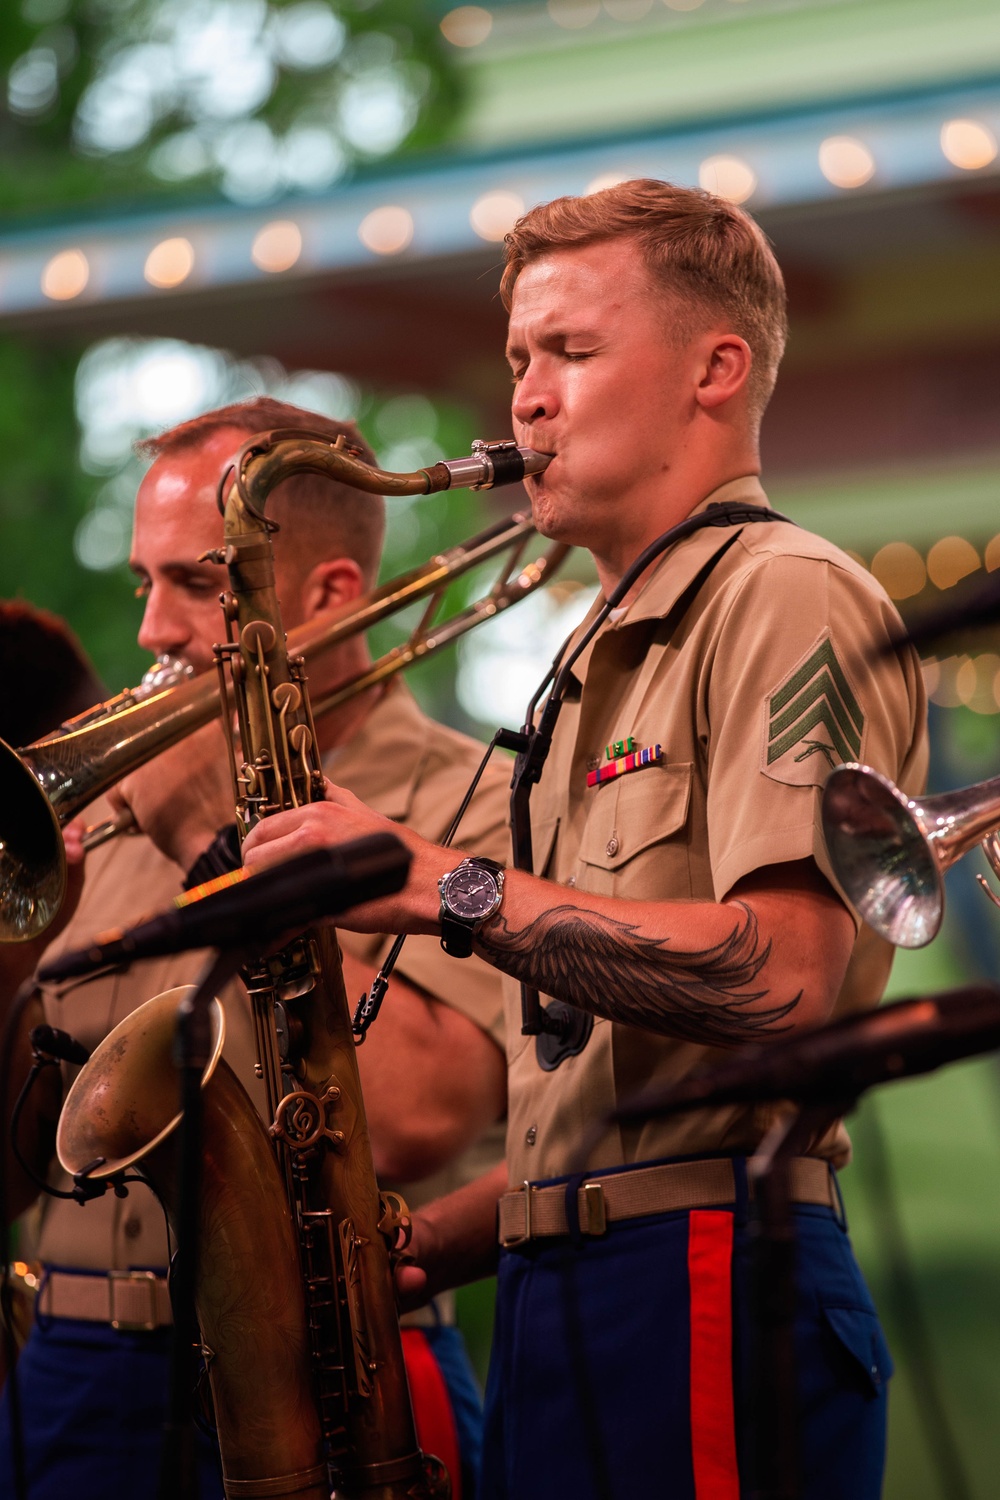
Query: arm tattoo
<point x="614" y="970"/>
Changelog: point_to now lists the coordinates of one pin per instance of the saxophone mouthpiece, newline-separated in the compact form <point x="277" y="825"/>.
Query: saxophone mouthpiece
<point x="491" y="465"/>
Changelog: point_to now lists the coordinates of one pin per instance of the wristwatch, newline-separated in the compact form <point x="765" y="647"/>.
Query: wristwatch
<point x="469" y="894"/>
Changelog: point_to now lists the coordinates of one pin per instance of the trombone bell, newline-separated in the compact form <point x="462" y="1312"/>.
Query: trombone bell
<point x="882" y="856"/>
<point x="32" y="857"/>
<point x="889" y="851"/>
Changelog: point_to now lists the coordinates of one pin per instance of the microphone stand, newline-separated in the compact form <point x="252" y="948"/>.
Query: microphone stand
<point x="192" y="1051"/>
<point x="775" y="1457"/>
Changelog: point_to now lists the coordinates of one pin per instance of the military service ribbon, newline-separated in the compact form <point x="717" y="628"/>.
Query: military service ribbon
<point x="634" y="761"/>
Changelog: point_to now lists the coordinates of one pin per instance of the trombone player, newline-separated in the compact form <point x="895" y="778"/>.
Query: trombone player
<point x="93" y="1375"/>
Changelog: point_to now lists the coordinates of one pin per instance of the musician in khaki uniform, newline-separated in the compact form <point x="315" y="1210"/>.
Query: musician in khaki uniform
<point x="432" y="1065"/>
<point x="682" y="896"/>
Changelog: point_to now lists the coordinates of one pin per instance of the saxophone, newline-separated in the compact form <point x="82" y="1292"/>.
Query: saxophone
<point x="304" y="1351"/>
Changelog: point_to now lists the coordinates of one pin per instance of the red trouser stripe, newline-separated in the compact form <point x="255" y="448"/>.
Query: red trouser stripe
<point x="432" y="1413"/>
<point x="713" y="1427"/>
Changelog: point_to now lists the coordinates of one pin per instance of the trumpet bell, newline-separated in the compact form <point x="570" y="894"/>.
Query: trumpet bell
<point x="32" y="857"/>
<point x="126" y="1098"/>
<point x="883" y="855"/>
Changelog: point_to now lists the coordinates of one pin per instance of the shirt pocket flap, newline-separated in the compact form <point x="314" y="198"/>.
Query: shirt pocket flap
<point x="639" y="809"/>
<point x="859" y="1332"/>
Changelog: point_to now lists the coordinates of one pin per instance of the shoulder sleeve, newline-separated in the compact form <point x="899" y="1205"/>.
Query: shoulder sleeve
<point x="799" y="680"/>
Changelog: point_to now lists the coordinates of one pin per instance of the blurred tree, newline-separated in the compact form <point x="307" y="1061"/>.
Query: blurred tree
<point x="256" y="97"/>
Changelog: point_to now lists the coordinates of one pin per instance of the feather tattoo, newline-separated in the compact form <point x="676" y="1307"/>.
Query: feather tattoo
<point x="613" y="970"/>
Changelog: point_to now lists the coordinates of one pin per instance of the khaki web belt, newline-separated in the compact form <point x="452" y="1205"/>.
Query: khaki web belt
<point x="532" y="1213"/>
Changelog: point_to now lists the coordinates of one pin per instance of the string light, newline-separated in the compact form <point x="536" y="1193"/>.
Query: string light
<point x="900" y="570"/>
<point x="968" y="144"/>
<point x="277" y="246"/>
<point x="494" y="214"/>
<point x="951" y="559"/>
<point x="169" y="263"/>
<point x="386" y="230"/>
<point x="846" y="162"/>
<point x="466" y="26"/>
<point x="65" y="275"/>
<point x="727" y="177"/>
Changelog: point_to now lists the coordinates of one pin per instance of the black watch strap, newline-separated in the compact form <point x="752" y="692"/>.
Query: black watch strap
<point x="456" y="937"/>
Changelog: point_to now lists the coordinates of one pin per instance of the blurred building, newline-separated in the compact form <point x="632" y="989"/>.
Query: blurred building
<point x="863" y="133"/>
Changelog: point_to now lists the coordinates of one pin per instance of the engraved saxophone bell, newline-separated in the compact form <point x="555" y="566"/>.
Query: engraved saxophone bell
<point x="889" y="851"/>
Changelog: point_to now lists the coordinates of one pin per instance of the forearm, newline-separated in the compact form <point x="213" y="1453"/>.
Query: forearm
<point x="771" y="956"/>
<point x="455" y="1237"/>
<point x="766" y="960"/>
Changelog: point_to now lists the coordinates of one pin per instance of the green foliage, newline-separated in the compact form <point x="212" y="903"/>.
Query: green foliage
<point x="43" y="495"/>
<point x="105" y="99"/>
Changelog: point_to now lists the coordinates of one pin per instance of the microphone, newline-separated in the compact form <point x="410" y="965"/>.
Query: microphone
<point x="242" y="909"/>
<point x="840" y="1061"/>
<point x="57" y="1044"/>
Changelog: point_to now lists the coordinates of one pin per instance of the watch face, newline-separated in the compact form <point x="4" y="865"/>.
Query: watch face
<point x="471" y="892"/>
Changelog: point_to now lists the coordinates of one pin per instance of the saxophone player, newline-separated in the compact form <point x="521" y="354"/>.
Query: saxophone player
<point x="93" y="1373"/>
<point x="687" y="902"/>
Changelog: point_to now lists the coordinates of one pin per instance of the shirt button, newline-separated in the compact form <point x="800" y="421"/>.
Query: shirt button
<point x="531" y="1135"/>
<point x="571" y="880"/>
<point x="612" y="846"/>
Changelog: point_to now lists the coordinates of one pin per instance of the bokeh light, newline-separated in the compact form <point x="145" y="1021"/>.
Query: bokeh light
<point x="169" y="263"/>
<point x="386" y="230"/>
<point x="277" y="246"/>
<point x="968" y="144"/>
<point x="727" y="177"/>
<point x="466" y="26"/>
<point x="846" y="162"/>
<point x="900" y="570"/>
<point x="65" y="275"/>
<point x="495" y="213"/>
<point x="951" y="559"/>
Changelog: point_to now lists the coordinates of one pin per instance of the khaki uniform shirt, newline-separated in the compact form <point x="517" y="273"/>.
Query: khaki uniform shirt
<point x="754" y="680"/>
<point x="403" y="765"/>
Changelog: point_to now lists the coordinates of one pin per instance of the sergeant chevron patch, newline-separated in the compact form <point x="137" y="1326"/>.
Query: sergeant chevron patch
<point x="813" y="721"/>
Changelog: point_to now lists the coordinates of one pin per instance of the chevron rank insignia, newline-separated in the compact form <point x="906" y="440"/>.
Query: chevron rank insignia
<point x="813" y="721"/>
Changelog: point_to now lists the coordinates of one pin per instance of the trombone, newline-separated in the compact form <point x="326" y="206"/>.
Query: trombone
<point x="44" y="785"/>
<point x="889" y="851"/>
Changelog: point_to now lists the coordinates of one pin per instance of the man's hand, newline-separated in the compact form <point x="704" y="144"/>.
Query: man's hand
<point x="340" y="818"/>
<point x="454" y="1241"/>
<point x="183" y="797"/>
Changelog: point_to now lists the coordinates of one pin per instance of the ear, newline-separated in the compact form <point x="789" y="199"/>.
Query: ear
<point x="329" y="584"/>
<point x="726" y="371"/>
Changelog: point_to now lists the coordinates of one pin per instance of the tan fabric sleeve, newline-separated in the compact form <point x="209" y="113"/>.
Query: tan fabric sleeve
<point x="799" y="683"/>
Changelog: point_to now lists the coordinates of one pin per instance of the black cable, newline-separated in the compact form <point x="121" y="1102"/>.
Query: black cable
<point x="368" y="1007"/>
<point x="903" y="1296"/>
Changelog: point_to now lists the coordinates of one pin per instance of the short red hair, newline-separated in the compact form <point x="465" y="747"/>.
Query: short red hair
<point x="697" y="248"/>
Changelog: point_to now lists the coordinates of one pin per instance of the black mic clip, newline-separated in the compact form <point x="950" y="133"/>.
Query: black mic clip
<point x="86" y="1188"/>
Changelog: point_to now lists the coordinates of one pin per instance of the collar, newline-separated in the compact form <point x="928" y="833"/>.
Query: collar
<point x="677" y="569"/>
<point x="382" y="760"/>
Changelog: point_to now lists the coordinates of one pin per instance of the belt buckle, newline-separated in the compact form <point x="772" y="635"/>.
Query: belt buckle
<point x="592" y="1209"/>
<point x="133" y="1325"/>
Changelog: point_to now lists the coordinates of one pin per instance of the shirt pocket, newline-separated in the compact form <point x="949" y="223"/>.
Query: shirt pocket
<point x="635" y="841"/>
